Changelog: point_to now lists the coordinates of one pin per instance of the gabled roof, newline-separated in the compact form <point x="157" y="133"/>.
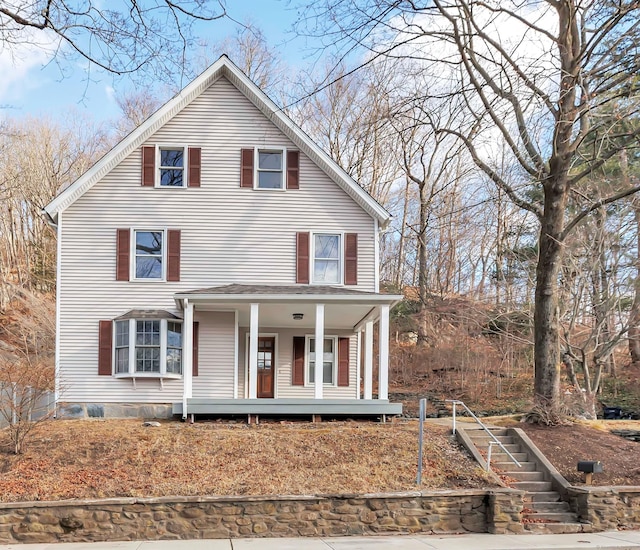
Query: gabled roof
<point x="223" y="67"/>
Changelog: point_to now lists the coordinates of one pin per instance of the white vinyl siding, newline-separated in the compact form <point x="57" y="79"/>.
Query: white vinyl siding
<point x="216" y="355"/>
<point x="222" y="229"/>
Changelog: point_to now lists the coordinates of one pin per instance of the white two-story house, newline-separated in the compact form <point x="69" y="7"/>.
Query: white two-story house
<point x="202" y="259"/>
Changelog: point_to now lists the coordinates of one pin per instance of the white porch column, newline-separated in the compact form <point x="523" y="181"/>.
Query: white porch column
<point x="368" y="360"/>
<point x="359" y="363"/>
<point x="318" y="379"/>
<point x="253" y="352"/>
<point x="187" y="345"/>
<point x="236" y="343"/>
<point x="383" y="344"/>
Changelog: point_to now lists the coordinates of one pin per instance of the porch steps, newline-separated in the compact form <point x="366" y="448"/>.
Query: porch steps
<point x="544" y="510"/>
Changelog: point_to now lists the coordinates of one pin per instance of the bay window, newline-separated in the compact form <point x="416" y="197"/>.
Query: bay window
<point x="148" y="347"/>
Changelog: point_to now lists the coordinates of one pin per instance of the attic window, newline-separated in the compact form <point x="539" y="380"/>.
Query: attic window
<point x="172" y="166"/>
<point x="270" y="169"/>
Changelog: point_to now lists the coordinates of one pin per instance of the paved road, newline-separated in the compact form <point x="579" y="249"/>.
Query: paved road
<point x="610" y="540"/>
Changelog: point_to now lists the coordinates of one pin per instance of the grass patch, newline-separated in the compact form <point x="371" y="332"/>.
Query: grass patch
<point x="118" y="458"/>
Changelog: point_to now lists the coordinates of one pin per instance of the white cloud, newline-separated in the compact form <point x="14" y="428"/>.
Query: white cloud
<point x="110" y="93"/>
<point x="21" y="64"/>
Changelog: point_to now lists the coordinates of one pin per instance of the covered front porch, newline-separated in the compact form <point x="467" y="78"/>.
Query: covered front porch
<point x="275" y="330"/>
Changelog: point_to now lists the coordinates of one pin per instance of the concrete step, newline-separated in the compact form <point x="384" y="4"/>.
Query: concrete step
<point x="511" y="447"/>
<point x="525" y="476"/>
<point x="553" y="507"/>
<point x="557" y="528"/>
<point x="536" y="486"/>
<point x="498" y="456"/>
<point x="542" y="496"/>
<point x="553" y="517"/>
<point x="473" y="431"/>
<point x="483" y="439"/>
<point x="508" y="466"/>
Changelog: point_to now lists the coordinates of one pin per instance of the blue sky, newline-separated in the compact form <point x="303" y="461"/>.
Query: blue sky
<point x="33" y="84"/>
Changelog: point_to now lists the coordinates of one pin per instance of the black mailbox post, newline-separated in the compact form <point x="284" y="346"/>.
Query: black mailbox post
<point x="590" y="467"/>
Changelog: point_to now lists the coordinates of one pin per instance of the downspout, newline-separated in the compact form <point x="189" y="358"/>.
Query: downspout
<point x="58" y="227"/>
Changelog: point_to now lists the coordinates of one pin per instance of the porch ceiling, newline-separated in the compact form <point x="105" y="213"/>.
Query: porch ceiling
<point x="344" y="308"/>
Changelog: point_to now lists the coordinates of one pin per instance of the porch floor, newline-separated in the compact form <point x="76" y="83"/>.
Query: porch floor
<point x="329" y="407"/>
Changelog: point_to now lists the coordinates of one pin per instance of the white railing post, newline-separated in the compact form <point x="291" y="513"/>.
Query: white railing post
<point x="422" y="415"/>
<point x="454" y="418"/>
<point x="491" y="444"/>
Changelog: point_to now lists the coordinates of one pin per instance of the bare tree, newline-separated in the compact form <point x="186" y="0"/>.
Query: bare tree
<point x="248" y="49"/>
<point x="26" y="365"/>
<point x="154" y="36"/>
<point x="351" y="122"/>
<point x="135" y="107"/>
<point x="536" y="76"/>
<point x="431" y="161"/>
<point x="39" y="159"/>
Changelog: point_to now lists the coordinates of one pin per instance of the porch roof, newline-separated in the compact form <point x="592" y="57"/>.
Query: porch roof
<point x="346" y="308"/>
<point x="278" y="293"/>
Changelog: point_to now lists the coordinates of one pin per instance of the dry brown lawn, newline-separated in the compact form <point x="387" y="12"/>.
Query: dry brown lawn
<point x="95" y="458"/>
<point x="564" y="446"/>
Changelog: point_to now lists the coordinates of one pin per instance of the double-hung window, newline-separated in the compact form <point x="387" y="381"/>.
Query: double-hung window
<point x="171" y="167"/>
<point x="326" y="258"/>
<point x="328" y="359"/>
<point x="270" y="169"/>
<point x="149" y="254"/>
<point x="148" y="347"/>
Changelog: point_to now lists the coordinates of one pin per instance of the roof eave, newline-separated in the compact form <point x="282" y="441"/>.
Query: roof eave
<point x="390" y="299"/>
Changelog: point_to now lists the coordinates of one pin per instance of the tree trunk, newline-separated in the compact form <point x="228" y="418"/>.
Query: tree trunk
<point x="546" y="329"/>
<point x="634" y="314"/>
<point x="423" y="339"/>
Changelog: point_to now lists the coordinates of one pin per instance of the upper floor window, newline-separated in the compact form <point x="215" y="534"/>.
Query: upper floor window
<point x="172" y="161"/>
<point x="171" y="166"/>
<point x="149" y="254"/>
<point x="326" y="258"/>
<point x="270" y="170"/>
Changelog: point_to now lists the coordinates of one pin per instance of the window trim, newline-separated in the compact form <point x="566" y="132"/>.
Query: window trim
<point x="256" y="169"/>
<point x="334" y="371"/>
<point x="132" y="373"/>
<point x="158" y="167"/>
<point x="134" y="256"/>
<point x="312" y="257"/>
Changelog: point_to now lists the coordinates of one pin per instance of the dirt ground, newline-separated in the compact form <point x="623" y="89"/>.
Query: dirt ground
<point x="95" y="459"/>
<point x="564" y="446"/>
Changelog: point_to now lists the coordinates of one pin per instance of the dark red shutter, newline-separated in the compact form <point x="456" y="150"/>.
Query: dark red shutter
<point x="297" y="376"/>
<point x="195" y="157"/>
<point x="343" y="361"/>
<point x="173" y="255"/>
<point x="351" y="259"/>
<point x="293" y="170"/>
<point x="148" y="166"/>
<point x="105" y="335"/>
<point x="123" y="248"/>
<point x="196" y="339"/>
<point x="246" y="168"/>
<point x="302" y="258"/>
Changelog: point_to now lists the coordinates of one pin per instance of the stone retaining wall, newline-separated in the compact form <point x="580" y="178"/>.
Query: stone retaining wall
<point x="607" y="508"/>
<point x="475" y="511"/>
